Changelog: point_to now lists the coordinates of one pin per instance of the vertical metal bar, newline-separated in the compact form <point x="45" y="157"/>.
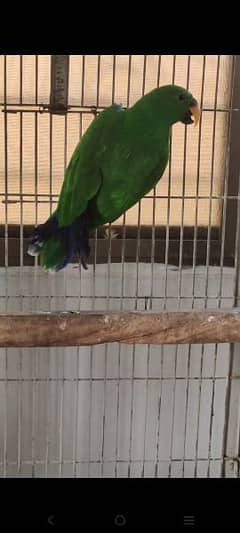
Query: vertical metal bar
<point x="195" y="251"/>
<point x="83" y="80"/>
<point x="198" y="183"/>
<point x="135" y="307"/>
<point x="113" y="79"/>
<point x="138" y="254"/>
<point x="148" y="347"/>
<point x="92" y="351"/>
<point x="20" y="170"/>
<point x="98" y="80"/>
<point x="61" y="403"/>
<point x="226" y="178"/>
<point x="144" y="75"/>
<point x="107" y="305"/>
<point x="207" y="262"/>
<point x="123" y="244"/>
<point x="106" y="350"/>
<point x="211" y="182"/>
<point x="152" y="255"/>
<point x="62" y="396"/>
<point x="198" y="413"/>
<point x="230" y="442"/>
<point x="208" y="258"/>
<point x="234" y="157"/>
<point x="166" y="277"/>
<point x="180" y="262"/>
<point x="223" y="224"/>
<point x="136" y="296"/>
<point x="194" y="264"/>
<point x="129" y="79"/>
<point x="165" y="267"/>
<point x="231" y="433"/>
<point x="180" y="272"/>
<point x="159" y="70"/>
<point x="21" y="270"/>
<point x="159" y="419"/>
<point x="231" y="447"/>
<point x="134" y="346"/>
<point x="168" y="206"/>
<point x="5" y="444"/>
<point x="76" y="409"/>
<point x="36" y="145"/>
<point x="92" y="307"/>
<point x="183" y="200"/>
<point x="35" y="277"/>
<point x="48" y="383"/>
<point x="161" y="348"/>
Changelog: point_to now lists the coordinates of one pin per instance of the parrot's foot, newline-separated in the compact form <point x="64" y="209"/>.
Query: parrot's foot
<point x="83" y="260"/>
<point x="83" y="251"/>
<point x="80" y="237"/>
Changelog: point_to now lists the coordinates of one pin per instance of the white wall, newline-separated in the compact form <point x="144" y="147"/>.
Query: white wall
<point x="113" y="410"/>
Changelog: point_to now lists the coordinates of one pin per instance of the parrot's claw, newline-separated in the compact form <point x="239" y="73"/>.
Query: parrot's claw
<point x="82" y="261"/>
<point x="83" y="255"/>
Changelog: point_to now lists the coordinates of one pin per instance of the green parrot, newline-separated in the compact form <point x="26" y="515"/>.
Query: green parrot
<point x="119" y="159"/>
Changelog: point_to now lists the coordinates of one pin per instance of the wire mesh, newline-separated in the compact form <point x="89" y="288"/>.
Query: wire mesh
<point x="118" y="411"/>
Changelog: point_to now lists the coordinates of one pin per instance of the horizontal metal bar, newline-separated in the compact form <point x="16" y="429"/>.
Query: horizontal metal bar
<point x="44" y="107"/>
<point x="130" y="245"/>
<point x="99" y="327"/>
<point x="149" y="197"/>
<point x="101" y="379"/>
<point x="119" y="461"/>
<point x="129" y="231"/>
<point x="143" y="297"/>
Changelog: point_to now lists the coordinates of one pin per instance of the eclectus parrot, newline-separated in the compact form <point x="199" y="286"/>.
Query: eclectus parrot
<point x="119" y="159"/>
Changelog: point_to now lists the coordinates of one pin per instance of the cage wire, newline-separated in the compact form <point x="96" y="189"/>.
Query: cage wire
<point x="120" y="410"/>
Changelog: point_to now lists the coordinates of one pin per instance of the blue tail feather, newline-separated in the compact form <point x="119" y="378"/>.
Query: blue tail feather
<point x="57" y="245"/>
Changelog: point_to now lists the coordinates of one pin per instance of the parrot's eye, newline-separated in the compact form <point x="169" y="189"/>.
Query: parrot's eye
<point x="181" y="97"/>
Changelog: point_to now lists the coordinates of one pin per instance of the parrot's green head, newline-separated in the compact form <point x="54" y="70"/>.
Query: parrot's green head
<point x="174" y="104"/>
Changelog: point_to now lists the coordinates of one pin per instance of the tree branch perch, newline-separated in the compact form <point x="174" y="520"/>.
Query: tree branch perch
<point x="90" y="328"/>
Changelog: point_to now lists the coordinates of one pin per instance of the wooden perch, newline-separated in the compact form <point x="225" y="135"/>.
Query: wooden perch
<point x="89" y="328"/>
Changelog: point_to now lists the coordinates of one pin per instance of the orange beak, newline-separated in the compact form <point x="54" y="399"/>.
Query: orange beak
<point x="195" y="111"/>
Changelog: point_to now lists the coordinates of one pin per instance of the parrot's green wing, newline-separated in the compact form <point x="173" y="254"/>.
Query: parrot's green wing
<point x="83" y="179"/>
